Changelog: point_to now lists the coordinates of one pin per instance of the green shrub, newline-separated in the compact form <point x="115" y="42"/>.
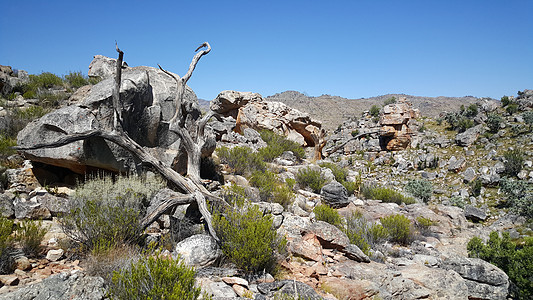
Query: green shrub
<point x="420" y="188"/>
<point x="45" y="80"/>
<point x="7" y="262"/>
<point x="241" y="159"/>
<point x="528" y="118"/>
<point x="372" y="191"/>
<point x="354" y="133"/>
<point x="457" y="201"/>
<point x="390" y="100"/>
<point x="475" y="187"/>
<point x="6" y="142"/>
<point x="514" y="161"/>
<point x="493" y="122"/>
<point x="76" y="79"/>
<point x="30" y="234"/>
<point x="276" y="145"/>
<point x="519" y="196"/>
<point x="424" y="225"/>
<point x="248" y="239"/>
<point x="327" y="214"/>
<point x="362" y="233"/>
<point x="471" y="111"/>
<point x="312" y="178"/>
<point x="458" y="121"/>
<point x="512" y="108"/>
<point x="107" y="212"/>
<point x="398" y="228"/>
<point x="155" y="277"/>
<point x="271" y="189"/>
<point x="505" y="101"/>
<point x="374" y="111"/>
<point x="515" y="260"/>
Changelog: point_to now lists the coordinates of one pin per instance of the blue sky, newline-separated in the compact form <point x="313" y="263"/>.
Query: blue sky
<point x="351" y="49"/>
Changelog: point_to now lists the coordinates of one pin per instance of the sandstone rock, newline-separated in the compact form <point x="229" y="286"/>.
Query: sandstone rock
<point x="354" y="253"/>
<point x="307" y="247"/>
<point x="54" y="255"/>
<point x="23" y="263"/>
<point x="198" y="250"/>
<point x="235" y="280"/>
<point x="289" y="288"/>
<point x="7" y="209"/>
<point x="147" y="98"/>
<point x="475" y="214"/>
<point x="30" y="209"/>
<point x="9" y="280"/>
<point x="467" y="138"/>
<point x="103" y="67"/>
<point x="59" y="287"/>
<point x="56" y="205"/>
<point x="469" y="175"/>
<point x="443" y="284"/>
<point x="229" y="102"/>
<point x="330" y="237"/>
<point x="350" y="289"/>
<point x="335" y="195"/>
<point x="395" y="133"/>
<point x="456" y="164"/>
<point x="484" y="280"/>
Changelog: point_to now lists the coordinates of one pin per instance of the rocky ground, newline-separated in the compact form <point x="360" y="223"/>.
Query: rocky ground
<point x="389" y="150"/>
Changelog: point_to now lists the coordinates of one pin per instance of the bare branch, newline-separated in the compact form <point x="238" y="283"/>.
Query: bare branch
<point x="335" y="149"/>
<point x="195" y="60"/>
<point x="164" y="206"/>
<point x="116" y="92"/>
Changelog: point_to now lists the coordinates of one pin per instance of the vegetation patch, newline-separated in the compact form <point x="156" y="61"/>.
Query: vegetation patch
<point x="398" y="228"/>
<point x="311" y="178"/>
<point x="420" y="188"/>
<point x="385" y="194"/>
<point x="327" y="214"/>
<point x="241" y="159"/>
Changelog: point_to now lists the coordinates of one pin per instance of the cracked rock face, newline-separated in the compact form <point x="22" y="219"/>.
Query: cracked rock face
<point x="395" y="132"/>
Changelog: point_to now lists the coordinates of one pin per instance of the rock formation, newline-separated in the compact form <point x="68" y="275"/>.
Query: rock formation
<point x="395" y="132"/>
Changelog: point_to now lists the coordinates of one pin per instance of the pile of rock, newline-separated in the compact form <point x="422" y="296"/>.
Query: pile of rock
<point x="9" y="79"/>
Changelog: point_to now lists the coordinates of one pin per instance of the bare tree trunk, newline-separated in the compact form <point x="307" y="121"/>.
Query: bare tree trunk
<point x="117" y="120"/>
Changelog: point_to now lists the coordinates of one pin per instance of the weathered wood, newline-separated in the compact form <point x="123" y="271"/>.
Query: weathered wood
<point x="164" y="206"/>
<point x="117" y="120"/>
<point x="330" y="151"/>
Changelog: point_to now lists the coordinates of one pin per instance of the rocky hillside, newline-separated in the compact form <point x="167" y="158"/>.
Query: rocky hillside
<point x="333" y="110"/>
<point x="387" y="205"/>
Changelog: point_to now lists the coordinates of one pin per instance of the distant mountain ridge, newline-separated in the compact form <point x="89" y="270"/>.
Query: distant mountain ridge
<point x="333" y="110"/>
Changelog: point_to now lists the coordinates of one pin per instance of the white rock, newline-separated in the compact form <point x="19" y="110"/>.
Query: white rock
<point x="54" y="255"/>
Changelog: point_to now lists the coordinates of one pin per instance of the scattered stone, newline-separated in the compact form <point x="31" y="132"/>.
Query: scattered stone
<point x="469" y="175"/>
<point x="54" y="255"/>
<point x="235" y="280"/>
<point x="9" y="280"/>
<point x="30" y="209"/>
<point x="475" y="214"/>
<point x="290" y="288"/>
<point x="354" y="253"/>
<point x="456" y="165"/>
<point x="467" y="138"/>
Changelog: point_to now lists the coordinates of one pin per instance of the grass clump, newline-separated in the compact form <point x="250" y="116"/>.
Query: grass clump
<point x="106" y="212"/>
<point x="155" y="277"/>
<point x="276" y="145"/>
<point x="76" y="79"/>
<point x="241" y="159"/>
<point x="372" y="191"/>
<point x="29" y="235"/>
<point x="327" y="214"/>
<point x="362" y="233"/>
<point x="516" y="260"/>
<point x="248" y="239"/>
<point x="311" y="178"/>
<point x="420" y="188"/>
<point x="7" y="262"/>
<point x="424" y="225"/>
<point x="398" y="228"/>
<point x="271" y="189"/>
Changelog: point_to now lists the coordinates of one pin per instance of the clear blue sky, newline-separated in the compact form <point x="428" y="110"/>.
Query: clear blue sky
<point x="351" y="49"/>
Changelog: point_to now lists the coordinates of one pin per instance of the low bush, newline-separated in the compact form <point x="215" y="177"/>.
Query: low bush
<point x="155" y="277"/>
<point x="104" y="211"/>
<point x="6" y="142"/>
<point x="390" y="100"/>
<point x="420" y="188"/>
<point x="327" y="214"/>
<point x="494" y="122"/>
<point x="76" y="79"/>
<point x="528" y="118"/>
<point x="374" y="111"/>
<point x="248" y="239"/>
<point x="512" y="108"/>
<point x="457" y="201"/>
<point x="271" y="189"/>
<point x="398" y="228"/>
<point x="341" y="175"/>
<point x="29" y="234"/>
<point x="458" y="121"/>
<point x="424" y="225"/>
<point x="516" y="260"/>
<point x="519" y="196"/>
<point x="514" y="159"/>
<point x="505" y="101"/>
<point x="471" y="111"/>
<point x="475" y="187"/>
<point x="7" y="262"/>
<point x="372" y="191"/>
<point x="362" y="233"/>
<point x="276" y="145"/>
<point x="241" y="159"/>
<point x="312" y="178"/>
<point x="103" y="261"/>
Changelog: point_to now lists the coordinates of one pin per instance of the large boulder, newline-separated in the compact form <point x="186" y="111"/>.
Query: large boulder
<point x="335" y="195"/>
<point x="469" y="136"/>
<point x="103" y="67"/>
<point x="198" y="250"/>
<point x="9" y="79"/>
<point x="147" y="104"/>
<point x="484" y="280"/>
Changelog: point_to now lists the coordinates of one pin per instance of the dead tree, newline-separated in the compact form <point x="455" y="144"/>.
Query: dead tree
<point x="190" y="185"/>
